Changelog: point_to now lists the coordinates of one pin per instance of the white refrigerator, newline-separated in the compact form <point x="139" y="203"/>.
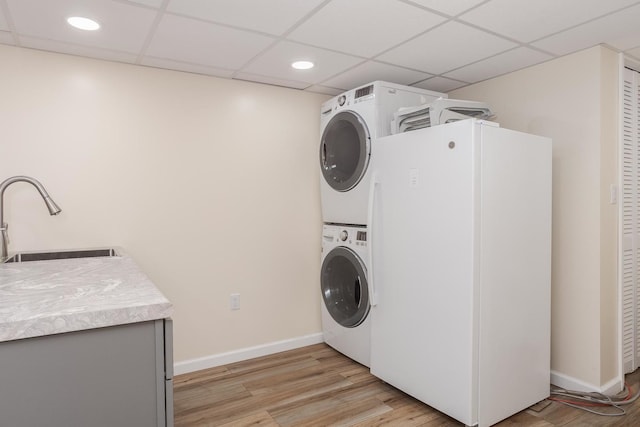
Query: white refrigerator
<point x="460" y="239"/>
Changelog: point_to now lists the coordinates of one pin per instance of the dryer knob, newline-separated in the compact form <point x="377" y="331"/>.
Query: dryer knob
<point x="344" y="235"/>
<point x="341" y="100"/>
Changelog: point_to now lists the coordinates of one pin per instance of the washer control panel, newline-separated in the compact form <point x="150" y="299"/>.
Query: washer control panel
<point x="344" y="234"/>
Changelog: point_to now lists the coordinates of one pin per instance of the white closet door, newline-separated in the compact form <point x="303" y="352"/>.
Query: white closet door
<point x="630" y="220"/>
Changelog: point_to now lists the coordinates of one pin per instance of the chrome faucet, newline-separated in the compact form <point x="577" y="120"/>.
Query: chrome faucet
<point x="4" y="235"/>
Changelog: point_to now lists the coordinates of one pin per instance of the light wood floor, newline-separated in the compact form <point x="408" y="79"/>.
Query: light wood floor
<point x="317" y="386"/>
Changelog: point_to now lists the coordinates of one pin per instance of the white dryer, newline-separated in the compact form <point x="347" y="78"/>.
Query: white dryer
<point x="349" y="125"/>
<point x="345" y="304"/>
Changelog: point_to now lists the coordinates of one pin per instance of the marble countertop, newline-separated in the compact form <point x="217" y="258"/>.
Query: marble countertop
<point x="49" y="297"/>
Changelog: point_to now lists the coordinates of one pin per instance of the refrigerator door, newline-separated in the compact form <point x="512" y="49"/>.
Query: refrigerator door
<point x="424" y="264"/>
<point x="515" y="273"/>
<point x="462" y="265"/>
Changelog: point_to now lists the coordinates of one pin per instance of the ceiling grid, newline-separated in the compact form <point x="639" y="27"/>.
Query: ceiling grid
<point x="433" y="44"/>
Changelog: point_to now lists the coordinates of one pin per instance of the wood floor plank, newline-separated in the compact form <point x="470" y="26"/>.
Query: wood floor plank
<point x="258" y="419"/>
<point x="406" y="416"/>
<point x="340" y="401"/>
<point x="332" y="414"/>
<point x="358" y="374"/>
<point x="198" y="377"/>
<point x="201" y="397"/>
<point x="267" y="363"/>
<point x="291" y="379"/>
<point x="272" y="371"/>
<point x="317" y="386"/>
<point x="524" y="419"/>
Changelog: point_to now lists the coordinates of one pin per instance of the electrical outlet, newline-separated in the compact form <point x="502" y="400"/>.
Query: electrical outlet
<point x="234" y="301"/>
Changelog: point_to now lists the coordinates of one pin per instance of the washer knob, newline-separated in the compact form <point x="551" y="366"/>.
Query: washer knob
<point x="341" y="100"/>
<point x="344" y="235"/>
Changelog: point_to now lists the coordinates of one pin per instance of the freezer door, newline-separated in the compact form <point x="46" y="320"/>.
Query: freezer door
<point x="422" y="339"/>
<point x="515" y="281"/>
<point x="462" y="264"/>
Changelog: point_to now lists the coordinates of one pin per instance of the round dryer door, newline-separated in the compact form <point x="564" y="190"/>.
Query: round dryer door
<point x="343" y="281"/>
<point x="344" y="150"/>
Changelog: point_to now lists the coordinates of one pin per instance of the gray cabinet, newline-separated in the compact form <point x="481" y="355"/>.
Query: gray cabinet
<point x="115" y="376"/>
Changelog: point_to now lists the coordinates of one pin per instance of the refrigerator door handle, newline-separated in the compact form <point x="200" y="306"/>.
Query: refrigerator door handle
<point x="373" y="299"/>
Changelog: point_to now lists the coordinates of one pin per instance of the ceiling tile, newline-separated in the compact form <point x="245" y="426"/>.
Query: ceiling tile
<point x="273" y="16"/>
<point x="364" y="27"/>
<point x="325" y="90"/>
<point x="635" y="53"/>
<point x="276" y="62"/>
<point x="203" y="43"/>
<point x="500" y="64"/>
<point x="79" y="50"/>
<point x="610" y="29"/>
<point x="371" y="71"/>
<point x="183" y="66"/>
<point x="152" y="3"/>
<point x="527" y="20"/>
<point x="271" y="80"/>
<point x="440" y="84"/>
<point x="124" y="26"/>
<point x="447" y="6"/>
<point x="628" y="41"/>
<point x="449" y="46"/>
<point x="351" y="41"/>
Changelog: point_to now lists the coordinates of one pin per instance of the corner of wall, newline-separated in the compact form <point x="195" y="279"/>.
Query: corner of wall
<point x="609" y="135"/>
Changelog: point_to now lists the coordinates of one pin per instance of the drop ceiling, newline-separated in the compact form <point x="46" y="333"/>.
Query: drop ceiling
<point x="433" y="44"/>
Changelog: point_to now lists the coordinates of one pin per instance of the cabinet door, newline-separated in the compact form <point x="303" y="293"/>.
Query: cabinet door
<point x="99" y="377"/>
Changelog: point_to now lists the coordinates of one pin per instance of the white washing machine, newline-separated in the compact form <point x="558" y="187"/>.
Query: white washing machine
<point x="349" y="125"/>
<point x="346" y="323"/>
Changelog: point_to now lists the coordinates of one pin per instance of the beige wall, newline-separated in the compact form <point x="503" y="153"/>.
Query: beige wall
<point x="573" y="100"/>
<point x="210" y="184"/>
<point x="609" y="125"/>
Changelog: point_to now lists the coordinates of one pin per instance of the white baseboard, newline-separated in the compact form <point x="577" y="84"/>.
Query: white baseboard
<point x="569" y="383"/>
<point x="612" y="387"/>
<point x="213" y="360"/>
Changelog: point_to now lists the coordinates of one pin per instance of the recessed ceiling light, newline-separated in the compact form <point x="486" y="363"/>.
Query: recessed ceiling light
<point x="83" y="23"/>
<point x="302" y="65"/>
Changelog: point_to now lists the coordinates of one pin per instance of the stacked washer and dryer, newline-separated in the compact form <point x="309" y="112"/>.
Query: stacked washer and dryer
<point x="464" y="266"/>
<point x="350" y="124"/>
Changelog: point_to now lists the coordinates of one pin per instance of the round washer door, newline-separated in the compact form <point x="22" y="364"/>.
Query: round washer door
<point x="344" y="150"/>
<point x="343" y="281"/>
